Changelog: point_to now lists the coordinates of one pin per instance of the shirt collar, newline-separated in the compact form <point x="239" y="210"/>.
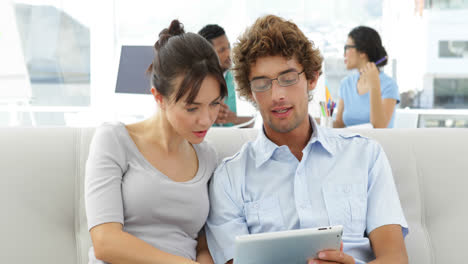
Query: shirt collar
<point x="264" y="147"/>
<point x="321" y="135"/>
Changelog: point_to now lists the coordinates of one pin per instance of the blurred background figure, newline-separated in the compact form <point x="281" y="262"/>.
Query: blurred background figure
<point x="370" y="95"/>
<point x="228" y="112"/>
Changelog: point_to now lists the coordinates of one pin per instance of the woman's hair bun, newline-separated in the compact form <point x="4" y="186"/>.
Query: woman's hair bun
<point x="175" y="28"/>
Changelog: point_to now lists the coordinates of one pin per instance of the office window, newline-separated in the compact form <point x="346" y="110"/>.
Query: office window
<point x="443" y="120"/>
<point x="66" y="81"/>
<point x="446" y="4"/>
<point x="453" y="49"/>
<point x="53" y="47"/>
<point x="57" y="55"/>
<point x="450" y="93"/>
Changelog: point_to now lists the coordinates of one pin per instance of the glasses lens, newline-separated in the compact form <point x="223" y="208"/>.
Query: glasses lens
<point x="260" y="85"/>
<point x="348" y="46"/>
<point x="288" y="78"/>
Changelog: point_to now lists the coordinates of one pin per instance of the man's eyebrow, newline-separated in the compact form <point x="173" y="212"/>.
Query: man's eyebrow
<point x="283" y="72"/>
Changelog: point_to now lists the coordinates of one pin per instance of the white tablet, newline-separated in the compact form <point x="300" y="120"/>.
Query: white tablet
<point x="293" y="246"/>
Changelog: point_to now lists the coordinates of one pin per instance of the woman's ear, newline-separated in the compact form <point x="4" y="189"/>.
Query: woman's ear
<point x="363" y="56"/>
<point x="158" y="97"/>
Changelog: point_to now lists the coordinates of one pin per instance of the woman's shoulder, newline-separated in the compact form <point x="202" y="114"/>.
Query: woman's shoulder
<point x="350" y="79"/>
<point x="108" y="135"/>
<point x="348" y="84"/>
<point x="389" y="87"/>
<point x="385" y="79"/>
<point x="207" y="155"/>
<point x="207" y="149"/>
<point x="107" y="127"/>
<point x="107" y="144"/>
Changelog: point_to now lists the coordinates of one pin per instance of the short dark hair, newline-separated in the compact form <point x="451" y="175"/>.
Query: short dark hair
<point x="184" y="54"/>
<point x="211" y="31"/>
<point x="368" y="41"/>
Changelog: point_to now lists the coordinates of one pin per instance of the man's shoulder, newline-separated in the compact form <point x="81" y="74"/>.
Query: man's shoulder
<point x="352" y="145"/>
<point x="240" y="157"/>
<point x="344" y="137"/>
<point x="230" y="172"/>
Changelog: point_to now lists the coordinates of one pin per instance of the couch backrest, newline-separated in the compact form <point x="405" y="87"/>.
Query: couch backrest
<point x="41" y="195"/>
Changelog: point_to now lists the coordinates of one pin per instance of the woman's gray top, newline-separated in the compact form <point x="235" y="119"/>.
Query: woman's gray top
<point x="122" y="186"/>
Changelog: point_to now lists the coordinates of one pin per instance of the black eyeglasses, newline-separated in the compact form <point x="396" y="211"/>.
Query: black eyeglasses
<point x="285" y="79"/>
<point x="348" y="47"/>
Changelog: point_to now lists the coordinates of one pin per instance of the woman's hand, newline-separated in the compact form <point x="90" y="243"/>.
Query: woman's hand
<point x="381" y="110"/>
<point x="369" y="77"/>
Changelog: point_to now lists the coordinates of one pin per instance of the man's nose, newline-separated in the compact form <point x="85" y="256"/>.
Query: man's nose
<point x="278" y="92"/>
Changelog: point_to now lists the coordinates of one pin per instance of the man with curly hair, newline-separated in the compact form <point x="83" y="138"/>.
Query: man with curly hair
<point x="296" y="174"/>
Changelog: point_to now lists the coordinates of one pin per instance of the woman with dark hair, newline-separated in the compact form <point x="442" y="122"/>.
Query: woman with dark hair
<point x="369" y="96"/>
<point x="142" y="204"/>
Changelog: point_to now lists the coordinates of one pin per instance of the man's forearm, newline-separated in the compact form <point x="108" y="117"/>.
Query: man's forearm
<point x="399" y="259"/>
<point x="204" y="257"/>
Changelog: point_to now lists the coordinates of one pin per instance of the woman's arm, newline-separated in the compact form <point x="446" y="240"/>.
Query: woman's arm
<point x="338" y="123"/>
<point x="203" y="254"/>
<point x="381" y="110"/>
<point x="113" y="245"/>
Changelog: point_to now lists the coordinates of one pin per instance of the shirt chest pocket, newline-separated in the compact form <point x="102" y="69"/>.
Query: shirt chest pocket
<point x="264" y="215"/>
<point x="347" y="205"/>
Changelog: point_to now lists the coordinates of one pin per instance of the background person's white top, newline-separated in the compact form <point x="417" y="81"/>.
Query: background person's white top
<point x="122" y="186"/>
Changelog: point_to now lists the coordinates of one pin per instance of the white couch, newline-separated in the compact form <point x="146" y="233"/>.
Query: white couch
<point x="41" y="194"/>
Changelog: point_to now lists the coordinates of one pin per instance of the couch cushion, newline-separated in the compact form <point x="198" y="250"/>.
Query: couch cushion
<point x="44" y="221"/>
<point x="37" y="195"/>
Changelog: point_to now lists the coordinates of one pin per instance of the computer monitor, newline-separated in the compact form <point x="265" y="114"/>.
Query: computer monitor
<point x="132" y="100"/>
<point x="132" y="77"/>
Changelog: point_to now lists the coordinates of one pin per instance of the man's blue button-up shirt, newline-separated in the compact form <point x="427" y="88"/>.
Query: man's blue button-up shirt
<point x="342" y="179"/>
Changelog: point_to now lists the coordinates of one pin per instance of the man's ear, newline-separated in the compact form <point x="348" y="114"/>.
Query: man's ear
<point x="252" y="97"/>
<point x="158" y="97"/>
<point x="312" y="83"/>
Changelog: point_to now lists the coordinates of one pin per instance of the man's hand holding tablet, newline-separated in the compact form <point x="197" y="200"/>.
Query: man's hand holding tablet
<point x="293" y="246"/>
<point x="332" y="256"/>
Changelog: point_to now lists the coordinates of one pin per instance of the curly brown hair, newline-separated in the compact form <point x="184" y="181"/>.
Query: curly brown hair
<point x="271" y="36"/>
